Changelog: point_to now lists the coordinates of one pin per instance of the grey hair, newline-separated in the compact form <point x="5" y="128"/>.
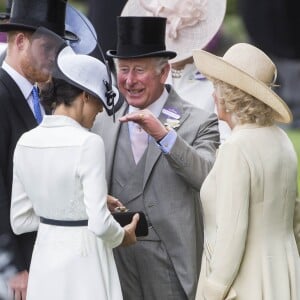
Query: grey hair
<point x="160" y="63"/>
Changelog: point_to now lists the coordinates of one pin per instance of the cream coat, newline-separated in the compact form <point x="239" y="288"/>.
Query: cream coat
<point x="248" y="201"/>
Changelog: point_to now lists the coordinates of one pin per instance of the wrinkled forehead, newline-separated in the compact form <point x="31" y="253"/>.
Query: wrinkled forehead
<point x="136" y="62"/>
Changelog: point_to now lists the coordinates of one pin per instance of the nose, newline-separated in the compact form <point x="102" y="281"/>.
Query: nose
<point x="131" y="78"/>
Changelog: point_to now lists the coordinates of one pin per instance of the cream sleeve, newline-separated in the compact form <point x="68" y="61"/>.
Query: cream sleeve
<point x="232" y="204"/>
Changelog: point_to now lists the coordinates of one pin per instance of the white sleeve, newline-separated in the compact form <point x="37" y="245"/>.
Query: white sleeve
<point x="22" y="216"/>
<point x="92" y="174"/>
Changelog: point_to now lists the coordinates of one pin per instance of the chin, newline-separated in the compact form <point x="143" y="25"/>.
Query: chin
<point x="41" y="77"/>
<point x="135" y="102"/>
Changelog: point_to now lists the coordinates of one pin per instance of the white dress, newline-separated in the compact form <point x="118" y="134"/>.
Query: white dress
<point x="59" y="173"/>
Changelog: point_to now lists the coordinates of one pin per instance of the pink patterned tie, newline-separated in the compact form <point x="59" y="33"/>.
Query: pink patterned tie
<point x="139" y="141"/>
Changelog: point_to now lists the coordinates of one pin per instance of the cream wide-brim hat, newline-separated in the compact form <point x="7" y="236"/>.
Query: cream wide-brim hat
<point x="249" y="69"/>
<point x="190" y="37"/>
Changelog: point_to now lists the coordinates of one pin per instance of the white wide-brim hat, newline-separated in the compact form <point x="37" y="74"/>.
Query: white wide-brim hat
<point x="191" y="24"/>
<point x="247" y="68"/>
<point x="87" y="73"/>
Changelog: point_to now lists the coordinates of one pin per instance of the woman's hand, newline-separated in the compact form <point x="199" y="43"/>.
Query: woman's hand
<point x="129" y="236"/>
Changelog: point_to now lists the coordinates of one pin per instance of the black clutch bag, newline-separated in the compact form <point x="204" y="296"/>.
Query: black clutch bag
<point x="124" y="218"/>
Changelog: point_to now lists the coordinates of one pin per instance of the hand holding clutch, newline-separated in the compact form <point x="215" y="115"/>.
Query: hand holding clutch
<point x="125" y="217"/>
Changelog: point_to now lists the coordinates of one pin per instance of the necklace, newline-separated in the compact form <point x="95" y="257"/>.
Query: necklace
<point x="176" y="73"/>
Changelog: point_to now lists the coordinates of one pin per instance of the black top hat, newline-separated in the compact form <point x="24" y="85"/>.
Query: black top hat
<point x="32" y="14"/>
<point x="141" y="37"/>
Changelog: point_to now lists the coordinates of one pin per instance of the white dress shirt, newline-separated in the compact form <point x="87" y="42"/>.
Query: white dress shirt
<point x="24" y="85"/>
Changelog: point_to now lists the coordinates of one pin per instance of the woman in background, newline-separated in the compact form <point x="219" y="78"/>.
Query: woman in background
<point x="249" y="196"/>
<point x="59" y="188"/>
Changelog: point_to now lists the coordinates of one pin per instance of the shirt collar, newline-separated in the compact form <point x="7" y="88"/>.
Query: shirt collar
<point x="24" y="85"/>
<point x="60" y="120"/>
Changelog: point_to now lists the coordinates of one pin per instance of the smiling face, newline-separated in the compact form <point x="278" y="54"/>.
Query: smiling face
<point x="141" y="81"/>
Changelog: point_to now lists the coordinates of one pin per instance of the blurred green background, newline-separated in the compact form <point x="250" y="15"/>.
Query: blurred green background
<point x="232" y="31"/>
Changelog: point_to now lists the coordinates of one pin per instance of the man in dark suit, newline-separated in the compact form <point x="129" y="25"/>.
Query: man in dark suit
<point x="18" y="74"/>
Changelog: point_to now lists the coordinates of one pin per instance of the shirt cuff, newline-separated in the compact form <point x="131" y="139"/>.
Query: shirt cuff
<point x="166" y="143"/>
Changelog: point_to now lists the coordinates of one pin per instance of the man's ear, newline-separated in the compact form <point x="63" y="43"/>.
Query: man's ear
<point x="164" y="73"/>
<point x="21" y="39"/>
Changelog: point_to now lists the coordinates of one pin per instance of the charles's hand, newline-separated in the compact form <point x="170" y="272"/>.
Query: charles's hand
<point x="148" y="122"/>
<point x="129" y="236"/>
<point x="18" y="285"/>
<point x="113" y="203"/>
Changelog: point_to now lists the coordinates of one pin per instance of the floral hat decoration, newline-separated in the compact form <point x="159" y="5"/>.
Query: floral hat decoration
<point x="191" y="24"/>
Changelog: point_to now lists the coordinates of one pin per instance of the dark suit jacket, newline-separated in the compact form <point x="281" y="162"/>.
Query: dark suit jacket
<point x="16" y="118"/>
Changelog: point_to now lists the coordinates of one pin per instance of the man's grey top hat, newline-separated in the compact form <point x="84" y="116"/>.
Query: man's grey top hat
<point x="139" y="37"/>
<point x="32" y="14"/>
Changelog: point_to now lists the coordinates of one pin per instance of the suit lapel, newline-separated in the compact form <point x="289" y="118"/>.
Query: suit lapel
<point x="173" y="104"/>
<point x="18" y="101"/>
